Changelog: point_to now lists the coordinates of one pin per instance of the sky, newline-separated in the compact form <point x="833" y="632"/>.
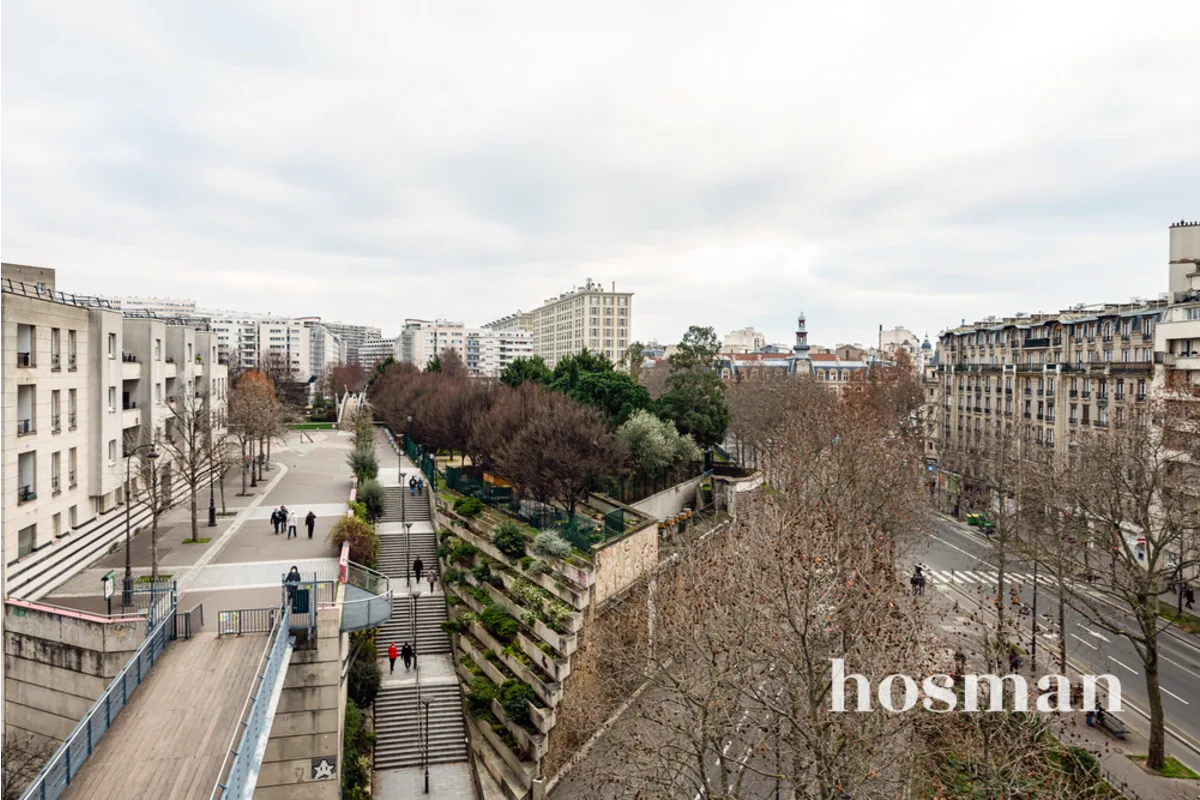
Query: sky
<point x="732" y="164"/>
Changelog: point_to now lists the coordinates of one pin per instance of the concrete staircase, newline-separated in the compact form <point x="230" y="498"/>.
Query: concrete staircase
<point x="431" y="613"/>
<point x="400" y="717"/>
<point x="403" y="507"/>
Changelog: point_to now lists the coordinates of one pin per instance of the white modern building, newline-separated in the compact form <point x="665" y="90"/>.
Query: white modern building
<point x="352" y="338"/>
<point x="249" y="341"/>
<point x="746" y="340"/>
<point x="81" y="382"/>
<point x="155" y="306"/>
<point x="374" y="350"/>
<point x="588" y="317"/>
<point x="485" y="351"/>
<point x="1177" y="337"/>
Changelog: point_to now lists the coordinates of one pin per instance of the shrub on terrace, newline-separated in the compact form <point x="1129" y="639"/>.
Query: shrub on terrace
<point x="372" y="496"/>
<point x="515" y="696"/>
<point x="468" y="506"/>
<point x="482" y="693"/>
<point x="501" y="625"/>
<point x="549" y="543"/>
<point x="509" y="540"/>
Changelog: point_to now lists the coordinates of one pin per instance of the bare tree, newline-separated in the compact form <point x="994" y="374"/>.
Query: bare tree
<point x="188" y="429"/>
<point x="24" y="755"/>
<point x="148" y="491"/>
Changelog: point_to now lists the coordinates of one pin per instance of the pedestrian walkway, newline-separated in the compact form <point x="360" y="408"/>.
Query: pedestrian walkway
<point x="984" y="576"/>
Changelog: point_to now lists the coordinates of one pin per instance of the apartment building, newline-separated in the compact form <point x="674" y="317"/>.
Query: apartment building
<point x="250" y="341"/>
<point x="374" y="350"/>
<point x="745" y="340"/>
<point x="80" y="381"/>
<point x="325" y="347"/>
<point x="1178" y="334"/>
<point x="352" y="338"/>
<point x="485" y="351"/>
<point x="155" y="306"/>
<point x="1044" y="377"/>
<point x="589" y="317"/>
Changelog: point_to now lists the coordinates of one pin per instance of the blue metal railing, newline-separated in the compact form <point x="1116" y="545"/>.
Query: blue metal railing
<point x="66" y="762"/>
<point x="239" y="773"/>
<point x="371" y="605"/>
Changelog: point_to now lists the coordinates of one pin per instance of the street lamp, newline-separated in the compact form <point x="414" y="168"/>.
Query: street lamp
<point x="407" y="553"/>
<point x="127" y="584"/>
<point x="426" y="701"/>
<point x="412" y="622"/>
<point x="408" y="436"/>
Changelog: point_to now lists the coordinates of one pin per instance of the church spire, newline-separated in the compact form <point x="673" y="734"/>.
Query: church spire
<point x="801" y="347"/>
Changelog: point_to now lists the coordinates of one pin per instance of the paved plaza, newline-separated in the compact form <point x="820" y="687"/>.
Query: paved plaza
<point x="241" y="564"/>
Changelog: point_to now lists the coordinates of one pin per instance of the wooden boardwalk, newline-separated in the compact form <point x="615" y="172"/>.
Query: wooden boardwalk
<point x="171" y="740"/>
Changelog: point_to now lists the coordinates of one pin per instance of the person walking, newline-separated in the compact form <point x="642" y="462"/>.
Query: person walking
<point x="291" y="523"/>
<point x="406" y="653"/>
<point x="1014" y="661"/>
<point x="275" y="520"/>
<point x="412" y="486"/>
<point x="1191" y="596"/>
<point x="418" y="565"/>
<point x="393" y="654"/>
<point x="292" y="580"/>
<point x="432" y="581"/>
<point x="420" y="485"/>
<point x="311" y="522"/>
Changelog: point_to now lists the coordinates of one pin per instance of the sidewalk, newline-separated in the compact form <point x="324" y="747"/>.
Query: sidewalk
<point x="955" y="627"/>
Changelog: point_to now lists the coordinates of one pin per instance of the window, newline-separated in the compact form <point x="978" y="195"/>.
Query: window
<point x="56" y="472"/>
<point x="189" y="352"/>
<point x="55" y="336"/>
<point x="72" y="463"/>
<point x="57" y="524"/>
<point x="26" y="540"/>
<point x="112" y="452"/>
<point x="158" y="349"/>
<point x="112" y="399"/>
<point x="70" y="349"/>
<point x="55" y="416"/>
<point x="158" y="393"/>
<point x="73" y="516"/>
<point x="112" y="345"/>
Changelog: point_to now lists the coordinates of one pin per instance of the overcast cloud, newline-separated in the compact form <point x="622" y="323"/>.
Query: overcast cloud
<point x="731" y="163"/>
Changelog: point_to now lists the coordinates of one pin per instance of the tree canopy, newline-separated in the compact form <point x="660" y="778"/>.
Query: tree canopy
<point x="522" y="370"/>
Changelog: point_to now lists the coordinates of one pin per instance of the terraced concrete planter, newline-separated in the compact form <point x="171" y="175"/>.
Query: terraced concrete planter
<point x="563" y="643"/>
<point x="577" y="600"/>
<point x="520" y="769"/>
<point x="489" y="669"/>
<point x="551" y="693"/>
<point x="574" y="620"/>
<point x="544" y="719"/>
<point x="557" y="668"/>
<point x="534" y="745"/>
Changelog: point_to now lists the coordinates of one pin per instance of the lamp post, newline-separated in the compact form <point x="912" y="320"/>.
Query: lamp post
<point x="412" y="622"/>
<point x="1033" y="647"/>
<point x="408" y="436"/>
<point x="212" y="502"/>
<point x="253" y="474"/>
<point x="427" y="701"/>
<point x="127" y="584"/>
<point x="407" y="554"/>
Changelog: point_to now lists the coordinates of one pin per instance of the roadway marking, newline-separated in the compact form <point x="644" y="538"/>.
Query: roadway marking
<point x="1097" y="634"/>
<point x="1084" y="641"/>
<point x="1177" y="697"/>
<point x="1131" y="669"/>
<point x="1181" y="666"/>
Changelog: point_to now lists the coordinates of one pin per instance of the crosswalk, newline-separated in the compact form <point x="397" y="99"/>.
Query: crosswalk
<point x="939" y="577"/>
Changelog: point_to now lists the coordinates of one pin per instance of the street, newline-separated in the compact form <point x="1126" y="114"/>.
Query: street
<point x="962" y="562"/>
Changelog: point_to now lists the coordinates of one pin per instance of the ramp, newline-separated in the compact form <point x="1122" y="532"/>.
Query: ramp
<point x="170" y="741"/>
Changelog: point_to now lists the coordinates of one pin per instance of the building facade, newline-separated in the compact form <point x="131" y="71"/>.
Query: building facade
<point x="155" y="306"/>
<point x="352" y="338"/>
<point x="589" y="317"/>
<point x="247" y="342"/>
<point x="485" y="351"/>
<point x="372" y="351"/>
<point x="1178" y="334"/>
<point x="81" y="383"/>
<point x="746" y="340"/>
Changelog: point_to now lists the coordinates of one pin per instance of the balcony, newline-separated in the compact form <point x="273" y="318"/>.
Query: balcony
<point x="1101" y="423"/>
<point x="1027" y="415"/>
<point x="1041" y="392"/>
<point x="1057" y="341"/>
<point x="1073" y="393"/>
<point x="1147" y="337"/>
<point x="1040" y="417"/>
<point x="24" y="427"/>
<point x="25" y="360"/>
<point x="1086" y="394"/>
<point x="130" y="418"/>
<point x="25" y="494"/>
<point x="1106" y="339"/>
<point x="1141" y="396"/>
<point x="130" y="370"/>
<point x="1008" y="390"/>
<point x="127" y="357"/>
<point x="71" y="421"/>
<point x="1041" y="342"/>
<point x="1028" y="392"/>
<point x="1073" y="420"/>
<point x="55" y="423"/>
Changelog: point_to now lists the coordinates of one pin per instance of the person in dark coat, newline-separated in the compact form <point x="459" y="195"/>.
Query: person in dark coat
<point x="408" y="655"/>
<point x="412" y="486"/>
<point x="418" y="565"/>
<point x="275" y="520"/>
<point x="420" y="486"/>
<point x="1190" y="598"/>
<point x="292" y="580"/>
<point x="311" y="522"/>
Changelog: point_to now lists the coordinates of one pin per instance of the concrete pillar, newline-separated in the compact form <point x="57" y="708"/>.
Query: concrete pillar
<point x="306" y="734"/>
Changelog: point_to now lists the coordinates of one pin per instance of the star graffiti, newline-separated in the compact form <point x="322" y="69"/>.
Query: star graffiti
<point x="322" y="769"/>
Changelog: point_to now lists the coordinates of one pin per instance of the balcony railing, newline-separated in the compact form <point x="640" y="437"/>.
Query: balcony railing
<point x="55" y="423"/>
<point x="25" y="494"/>
<point x="1028" y="392"/>
<point x="71" y="479"/>
<point x="1085" y="394"/>
<point x="25" y="359"/>
<point x="55" y="362"/>
<point x="1147" y="337"/>
<point x="1041" y="392"/>
<point x="71" y="361"/>
<point x="128" y="357"/>
<point x="1106" y="339"/>
<point x="128" y="405"/>
<point x="54" y="484"/>
<point x="1057" y="341"/>
<point x="1040" y="342"/>
<point x="1027" y="415"/>
<point x="1101" y="423"/>
<point x="170" y="359"/>
<point x="1073" y="393"/>
<point x="71" y="421"/>
<point x="1140" y="396"/>
<point x="24" y="427"/>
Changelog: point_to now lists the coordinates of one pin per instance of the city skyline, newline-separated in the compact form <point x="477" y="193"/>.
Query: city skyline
<point x="864" y="190"/>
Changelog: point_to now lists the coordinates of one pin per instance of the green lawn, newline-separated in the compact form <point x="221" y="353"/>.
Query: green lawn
<point x="313" y="426"/>
<point x="1173" y="769"/>
<point x="162" y="576"/>
<point x="205" y="540"/>
<point x="1187" y="622"/>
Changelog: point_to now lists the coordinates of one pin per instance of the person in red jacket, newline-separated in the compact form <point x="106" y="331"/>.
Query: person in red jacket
<point x="393" y="654"/>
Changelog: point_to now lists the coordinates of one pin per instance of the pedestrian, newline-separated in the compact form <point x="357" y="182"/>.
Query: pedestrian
<point x="393" y="654"/>
<point x="291" y="523"/>
<point x="418" y="565"/>
<point x="412" y="486"/>
<point x="292" y="580"/>
<point x="311" y="522"/>
<point x="407" y="654"/>
<point x="275" y="520"/>
<point x="432" y="581"/>
<point x="1191" y="597"/>
<point x="420" y="485"/>
<point x="1014" y="660"/>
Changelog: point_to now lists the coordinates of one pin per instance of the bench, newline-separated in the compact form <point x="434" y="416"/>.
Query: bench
<point x="1108" y="722"/>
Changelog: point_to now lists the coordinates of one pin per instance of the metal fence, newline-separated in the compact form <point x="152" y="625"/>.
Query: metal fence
<point x="239" y="772"/>
<point x="71" y="755"/>
<point x="375" y="608"/>
<point x="246" y="620"/>
<point x="187" y="623"/>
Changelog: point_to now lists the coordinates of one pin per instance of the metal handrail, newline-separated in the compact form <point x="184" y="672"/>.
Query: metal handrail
<point x="378" y="585"/>
<point x="57" y="774"/>
<point x="235" y="779"/>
